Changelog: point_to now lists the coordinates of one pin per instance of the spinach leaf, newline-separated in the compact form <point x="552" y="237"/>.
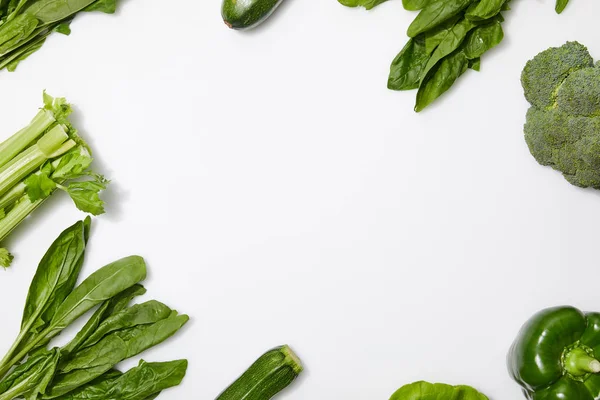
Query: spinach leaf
<point x="451" y="41"/>
<point x="561" y="5"/>
<point x="441" y="78"/>
<point x="434" y="37"/>
<point x="16" y="31"/>
<point x="143" y="382"/>
<point x="54" y="279"/>
<point x="436" y="13"/>
<point x="140" y="314"/>
<point x="30" y="378"/>
<point x="49" y="11"/>
<point x="484" y="38"/>
<point x="98" y="287"/>
<point x="103" y="284"/>
<point x="414" y="5"/>
<point x="436" y="391"/>
<point x="106" y="309"/>
<point x="105" y="6"/>
<point x="485" y="9"/>
<point x="405" y="71"/>
<point x="90" y="363"/>
<point x="368" y="4"/>
<point x="475" y="64"/>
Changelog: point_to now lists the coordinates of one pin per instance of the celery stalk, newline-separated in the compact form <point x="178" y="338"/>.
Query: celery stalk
<point x="23" y="139"/>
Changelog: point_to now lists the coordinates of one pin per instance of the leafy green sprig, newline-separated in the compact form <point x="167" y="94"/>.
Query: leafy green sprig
<point x="25" y="24"/>
<point x="84" y="368"/>
<point x="447" y="38"/>
<point x="45" y="156"/>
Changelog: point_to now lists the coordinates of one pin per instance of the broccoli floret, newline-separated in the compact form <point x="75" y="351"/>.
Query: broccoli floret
<point x="580" y="93"/>
<point x="562" y="128"/>
<point x="546" y="72"/>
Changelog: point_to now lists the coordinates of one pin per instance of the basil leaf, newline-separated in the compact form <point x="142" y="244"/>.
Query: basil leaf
<point x="108" y="308"/>
<point x="436" y="391"/>
<point x="92" y="362"/>
<point x="368" y="4"/>
<point x="441" y="78"/>
<point x="483" y="38"/>
<point x="485" y="9"/>
<point x="451" y="41"/>
<point x="143" y="382"/>
<point x="405" y="71"/>
<point x="436" y="13"/>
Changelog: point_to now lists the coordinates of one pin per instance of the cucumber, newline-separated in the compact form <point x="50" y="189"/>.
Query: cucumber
<point x="269" y="375"/>
<point x="246" y="14"/>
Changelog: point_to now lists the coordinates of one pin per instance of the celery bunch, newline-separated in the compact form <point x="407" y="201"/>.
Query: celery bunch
<point x="46" y="155"/>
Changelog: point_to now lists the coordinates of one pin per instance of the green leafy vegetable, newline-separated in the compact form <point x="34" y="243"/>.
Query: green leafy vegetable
<point x="138" y="383"/>
<point x="368" y="4"/>
<point x="46" y="155"/>
<point x="441" y="79"/>
<point x="115" y="347"/>
<point x="84" y="368"/>
<point x="561" y="5"/>
<point x="31" y="378"/>
<point x="407" y="67"/>
<point x="446" y="38"/>
<point x="436" y="13"/>
<point x="436" y="391"/>
<point x="55" y="278"/>
<point x="108" y="308"/>
<point x="24" y="25"/>
<point x="98" y="287"/>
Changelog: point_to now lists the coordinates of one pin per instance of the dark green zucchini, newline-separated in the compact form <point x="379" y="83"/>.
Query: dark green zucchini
<point x="246" y="14"/>
<point x="269" y="375"/>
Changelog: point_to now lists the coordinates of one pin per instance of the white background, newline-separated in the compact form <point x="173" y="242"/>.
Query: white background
<point x="281" y="194"/>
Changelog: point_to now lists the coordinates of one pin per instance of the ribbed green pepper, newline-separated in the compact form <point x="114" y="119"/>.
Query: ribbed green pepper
<point x="555" y="355"/>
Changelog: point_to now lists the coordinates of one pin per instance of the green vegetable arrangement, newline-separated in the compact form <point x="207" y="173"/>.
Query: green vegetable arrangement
<point x="447" y="38"/>
<point x="555" y="355"/>
<point x="270" y="374"/>
<point x="563" y="124"/>
<point x="84" y="368"/>
<point x="25" y="24"/>
<point x="436" y="391"/>
<point x="44" y="156"/>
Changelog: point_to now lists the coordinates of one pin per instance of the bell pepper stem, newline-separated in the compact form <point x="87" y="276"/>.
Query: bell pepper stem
<point x="578" y="363"/>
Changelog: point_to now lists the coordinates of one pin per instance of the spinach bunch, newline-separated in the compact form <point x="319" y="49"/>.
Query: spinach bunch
<point x="25" y="24"/>
<point x="447" y="38"/>
<point x="83" y="368"/>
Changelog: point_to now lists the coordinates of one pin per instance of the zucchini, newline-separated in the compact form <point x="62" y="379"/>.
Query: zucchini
<point x="246" y="14"/>
<point x="269" y="375"/>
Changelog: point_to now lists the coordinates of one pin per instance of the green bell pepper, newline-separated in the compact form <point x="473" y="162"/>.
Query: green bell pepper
<point x="554" y="356"/>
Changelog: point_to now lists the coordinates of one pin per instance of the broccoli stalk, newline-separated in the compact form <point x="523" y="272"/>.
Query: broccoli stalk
<point x="45" y="156"/>
<point x="562" y="128"/>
